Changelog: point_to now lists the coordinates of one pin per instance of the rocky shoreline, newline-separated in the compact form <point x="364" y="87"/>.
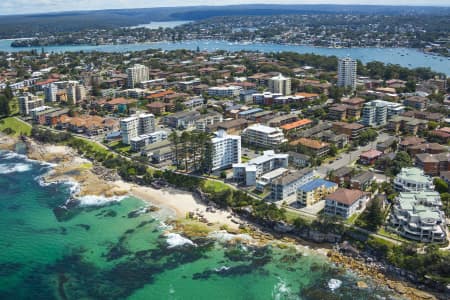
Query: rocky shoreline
<point x="96" y="180"/>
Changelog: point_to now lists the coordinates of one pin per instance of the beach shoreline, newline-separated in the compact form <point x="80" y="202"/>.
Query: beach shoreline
<point x="68" y="166"/>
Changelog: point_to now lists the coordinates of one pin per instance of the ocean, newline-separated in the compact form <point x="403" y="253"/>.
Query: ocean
<point x="117" y="251"/>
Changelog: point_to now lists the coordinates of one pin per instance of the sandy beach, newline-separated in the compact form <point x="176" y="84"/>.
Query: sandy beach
<point x="98" y="181"/>
<point x="182" y="203"/>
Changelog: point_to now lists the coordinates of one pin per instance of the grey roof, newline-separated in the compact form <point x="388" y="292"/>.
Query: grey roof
<point x="363" y="177"/>
<point x="292" y="176"/>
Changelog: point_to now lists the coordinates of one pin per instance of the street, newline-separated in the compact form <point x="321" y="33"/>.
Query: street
<point x="346" y="159"/>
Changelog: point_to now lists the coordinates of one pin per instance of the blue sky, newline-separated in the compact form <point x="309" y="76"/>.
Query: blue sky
<point x="33" y="6"/>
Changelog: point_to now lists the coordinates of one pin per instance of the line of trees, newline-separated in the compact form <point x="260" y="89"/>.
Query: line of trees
<point x="192" y="151"/>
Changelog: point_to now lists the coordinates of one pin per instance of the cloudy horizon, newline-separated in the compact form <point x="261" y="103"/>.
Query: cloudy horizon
<point x="9" y="7"/>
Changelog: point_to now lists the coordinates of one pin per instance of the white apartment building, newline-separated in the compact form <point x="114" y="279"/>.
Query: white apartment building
<point x="50" y="92"/>
<point x="248" y="173"/>
<point x="347" y="72"/>
<point x="413" y="180"/>
<point x="225" y="150"/>
<point x="135" y="126"/>
<point x="27" y="102"/>
<point x="280" y="85"/>
<point x="418" y="216"/>
<point x="263" y="136"/>
<point x="377" y="112"/>
<point x="137" y="74"/>
<point x="140" y="141"/>
<point x="224" y="91"/>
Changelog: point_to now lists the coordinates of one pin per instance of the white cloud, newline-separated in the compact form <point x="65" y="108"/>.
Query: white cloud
<point x="35" y="6"/>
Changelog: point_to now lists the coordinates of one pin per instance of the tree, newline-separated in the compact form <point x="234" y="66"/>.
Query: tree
<point x="4" y="106"/>
<point x="374" y="214"/>
<point x="440" y="185"/>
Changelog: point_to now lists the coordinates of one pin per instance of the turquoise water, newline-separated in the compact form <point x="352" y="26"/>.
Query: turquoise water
<point x="107" y="253"/>
<point x="405" y="57"/>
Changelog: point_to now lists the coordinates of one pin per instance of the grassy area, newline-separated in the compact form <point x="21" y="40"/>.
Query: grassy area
<point x="212" y="186"/>
<point x="96" y="147"/>
<point x="244" y="159"/>
<point x="120" y="147"/>
<point x="291" y="215"/>
<point x="18" y="127"/>
<point x="352" y="219"/>
<point x="391" y="235"/>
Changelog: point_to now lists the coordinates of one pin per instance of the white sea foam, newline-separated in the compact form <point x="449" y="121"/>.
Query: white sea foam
<point x="175" y="240"/>
<point x="222" y="268"/>
<point x="14" y="168"/>
<point x="334" y="284"/>
<point x="97" y="200"/>
<point x="224" y="236"/>
<point x="282" y="291"/>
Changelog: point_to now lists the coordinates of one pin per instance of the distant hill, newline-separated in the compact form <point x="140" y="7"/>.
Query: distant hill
<point x="16" y="26"/>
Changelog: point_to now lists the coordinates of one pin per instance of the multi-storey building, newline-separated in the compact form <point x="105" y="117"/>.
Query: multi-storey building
<point x="314" y="191"/>
<point x="263" y="136"/>
<point x="377" y="112"/>
<point x="140" y="141"/>
<point x="347" y="72"/>
<point x="28" y="102"/>
<point x="413" y="180"/>
<point x="285" y="187"/>
<point x="345" y="202"/>
<point x="248" y="173"/>
<point x="225" y="150"/>
<point x="224" y="91"/>
<point x="280" y="85"/>
<point x="182" y="119"/>
<point x="418" y="216"/>
<point x="50" y="92"/>
<point x="211" y="118"/>
<point x="136" y="75"/>
<point x="135" y="126"/>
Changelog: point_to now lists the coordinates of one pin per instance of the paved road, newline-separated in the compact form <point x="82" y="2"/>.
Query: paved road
<point x="346" y="159"/>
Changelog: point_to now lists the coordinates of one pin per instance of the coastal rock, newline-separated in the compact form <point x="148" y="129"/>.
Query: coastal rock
<point x="362" y="285"/>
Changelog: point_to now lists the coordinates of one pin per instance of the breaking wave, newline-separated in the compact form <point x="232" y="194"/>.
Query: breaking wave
<point x="14" y="168"/>
<point x="175" y="240"/>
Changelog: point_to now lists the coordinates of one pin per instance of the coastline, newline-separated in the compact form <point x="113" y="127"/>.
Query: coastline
<point x="68" y="166"/>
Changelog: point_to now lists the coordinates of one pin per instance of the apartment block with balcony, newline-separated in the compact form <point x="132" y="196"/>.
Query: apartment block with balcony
<point x="314" y="191"/>
<point x="285" y="187"/>
<point x="248" y="173"/>
<point x="226" y="150"/>
<point x="345" y="202"/>
<point x="418" y="216"/>
<point x="413" y="180"/>
<point x="263" y="136"/>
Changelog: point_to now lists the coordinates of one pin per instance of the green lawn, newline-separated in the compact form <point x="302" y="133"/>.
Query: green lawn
<point x="212" y="186"/>
<point x="352" y="219"/>
<point x="392" y="235"/>
<point x="120" y="147"/>
<point x="291" y="215"/>
<point x="16" y="125"/>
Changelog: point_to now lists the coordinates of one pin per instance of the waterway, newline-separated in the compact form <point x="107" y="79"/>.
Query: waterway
<point x="406" y="57"/>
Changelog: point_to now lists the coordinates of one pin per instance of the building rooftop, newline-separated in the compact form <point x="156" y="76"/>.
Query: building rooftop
<point x="345" y="196"/>
<point x="296" y="124"/>
<point x="316" y="183"/>
<point x="263" y="128"/>
<point x="371" y="154"/>
<point x="313" y="144"/>
<point x="292" y="176"/>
